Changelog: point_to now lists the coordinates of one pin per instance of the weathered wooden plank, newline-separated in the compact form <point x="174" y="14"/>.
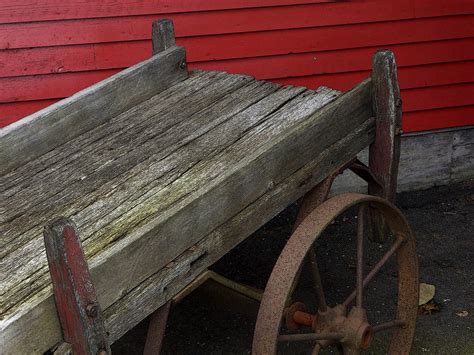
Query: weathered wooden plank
<point x="107" y="152"/>
<point x="250" y="170"/>
<point x="162" y="286"/>
<point x="108" y="202"/>
<point x="462" y="164"/>
<point x="209" y="192"/>
<point x="54" y="125"/>
<point x="162" y="36"/>
<point x="59" y="156"/>
<point x="111" y="200"/>
<point x="116" y="139"/>
<point x="427" y="159"/>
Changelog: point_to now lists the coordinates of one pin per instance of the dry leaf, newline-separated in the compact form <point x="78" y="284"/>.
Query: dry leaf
<point x="427" y="293"/>
<point x="428" y="308"/>
<point x="462" y="313"/>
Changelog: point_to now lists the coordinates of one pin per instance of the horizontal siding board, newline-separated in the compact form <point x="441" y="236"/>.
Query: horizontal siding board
<point x="13" y="111"/>
<point x="290" y="41"/>
<point x="133" y="28"/>
<point x="291" y="69"/>
<point x="409" y="77"/>
<point x="437" y="119"/>
<point x="49" y="86"/>
<point x="260" y="44"/>
<point x="438" y="97"/>
<point x="28" y="10"/>
<point x="256" y="44"/>
<point x="420" y="55"/>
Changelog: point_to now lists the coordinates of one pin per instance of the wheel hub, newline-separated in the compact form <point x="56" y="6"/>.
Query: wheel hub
<point x="356" y="332"/>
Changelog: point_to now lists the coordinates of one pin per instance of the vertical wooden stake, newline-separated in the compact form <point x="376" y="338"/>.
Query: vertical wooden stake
<point x="79" y="312"/>
<point x="384" y="153"/>
<point x="162" y="35"/>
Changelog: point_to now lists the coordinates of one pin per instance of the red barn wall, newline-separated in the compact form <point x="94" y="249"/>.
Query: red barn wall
<point x="51" y="49"/>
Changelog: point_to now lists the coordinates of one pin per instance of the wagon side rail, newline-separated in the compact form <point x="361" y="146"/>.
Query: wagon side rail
<point x="46" y="129"/>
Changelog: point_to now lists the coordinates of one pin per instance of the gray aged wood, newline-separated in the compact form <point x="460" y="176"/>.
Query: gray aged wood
<point x="427" y="159"/>
<point x="40" y="132"/>
<point x="384" y="153"/>
<point x="194" y="162"/>
<point x="162" y="35"/>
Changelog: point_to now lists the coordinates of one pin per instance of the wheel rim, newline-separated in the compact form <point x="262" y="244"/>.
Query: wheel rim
<point x="356" y="332"/>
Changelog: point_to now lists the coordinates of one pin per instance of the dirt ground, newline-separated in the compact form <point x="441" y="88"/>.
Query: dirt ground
<point x="209" y="322"/>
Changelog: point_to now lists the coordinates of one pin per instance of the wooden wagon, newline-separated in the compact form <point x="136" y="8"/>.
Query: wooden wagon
<point x="159" y="172"/>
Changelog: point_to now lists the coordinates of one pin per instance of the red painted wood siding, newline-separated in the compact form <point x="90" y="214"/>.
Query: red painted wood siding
<point x="50" y="49"/>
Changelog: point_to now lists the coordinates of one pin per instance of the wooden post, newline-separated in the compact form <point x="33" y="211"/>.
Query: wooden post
<point x="79" y="312"/>
<point x="162" y="35"/>
<point x="384" y="153"/>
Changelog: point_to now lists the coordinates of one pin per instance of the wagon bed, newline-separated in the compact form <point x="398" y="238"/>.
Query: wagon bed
<point x="163" y="172"/>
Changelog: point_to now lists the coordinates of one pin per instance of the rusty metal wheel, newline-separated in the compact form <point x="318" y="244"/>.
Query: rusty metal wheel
<point x="342" y="326"/>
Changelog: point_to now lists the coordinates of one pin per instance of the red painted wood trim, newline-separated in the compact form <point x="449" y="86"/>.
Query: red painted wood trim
<point x="133" y="28"/>
<point x="27" y="10"/>
<point x="437" y="119"/>
<point x="76" y="302"/>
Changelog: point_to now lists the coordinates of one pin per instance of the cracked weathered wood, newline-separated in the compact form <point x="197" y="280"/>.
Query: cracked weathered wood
<point x="384" y="153"/>
<point x="190" y="190"/>
<point x="104" y="206"/>
<point x="162" y="35"/>
<point x="40" y="132"/>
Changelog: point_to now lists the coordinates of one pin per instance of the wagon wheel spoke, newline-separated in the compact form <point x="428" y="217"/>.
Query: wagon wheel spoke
<point x="376" y="269"/>
<point x="310" y="337"/>
<point x="360" y="256"/>
<point x="389" y="325"/>
<point x="317" y="282"/>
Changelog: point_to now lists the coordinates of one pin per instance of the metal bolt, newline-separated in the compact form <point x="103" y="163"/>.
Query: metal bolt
<point x="92" y="310"/>
<point x="182" y="65"/>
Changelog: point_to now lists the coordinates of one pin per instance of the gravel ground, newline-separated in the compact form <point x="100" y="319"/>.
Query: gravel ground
<point x="209" y="322"/>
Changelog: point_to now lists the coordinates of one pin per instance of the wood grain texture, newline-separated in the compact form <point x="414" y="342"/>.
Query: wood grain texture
<point x="427" y="159"/>
<point x="198" y="181"/>
<point x="162" y="35"/>
<point x="118" y="178"/>
<point x="384" y="153"/>
<point x="41" y="132"/>
<point x="387" y="106"/>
